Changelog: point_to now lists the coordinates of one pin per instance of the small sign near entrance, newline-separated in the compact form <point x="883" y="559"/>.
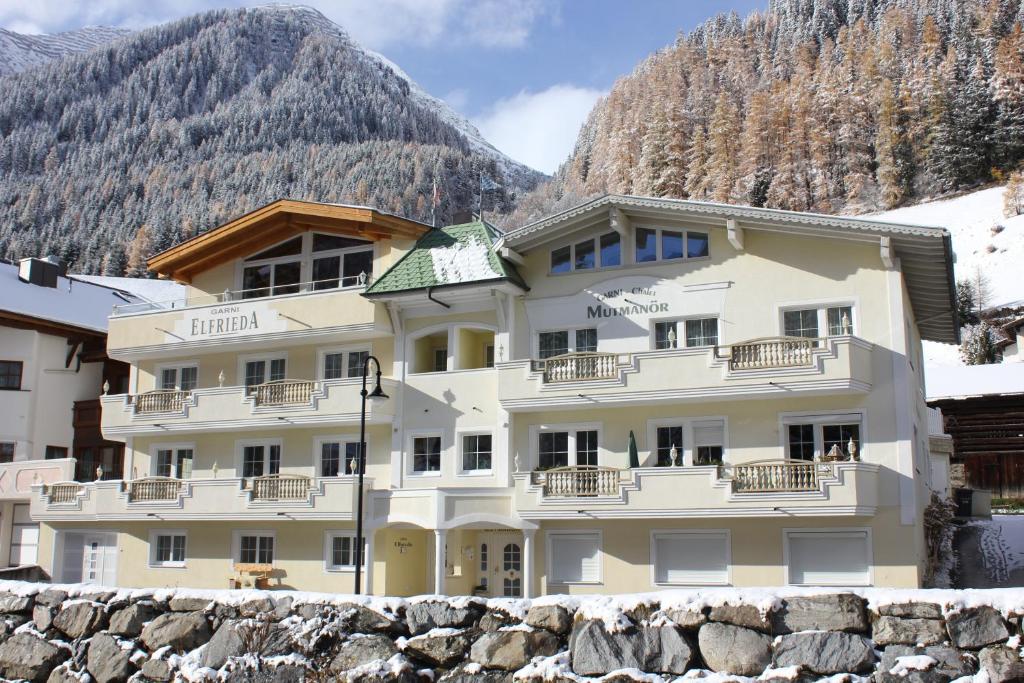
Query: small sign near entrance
<point x="234" y="319"/>
<point x="403" y="545"/>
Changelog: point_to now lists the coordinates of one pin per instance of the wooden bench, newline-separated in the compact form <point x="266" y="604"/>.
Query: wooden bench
<point x="259" y="573"/>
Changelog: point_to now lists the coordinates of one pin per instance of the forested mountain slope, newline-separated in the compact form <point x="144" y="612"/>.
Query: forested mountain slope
<point x="182" y="126"/>
<point x="20" y="51"/>
<point x="835" y="106"/>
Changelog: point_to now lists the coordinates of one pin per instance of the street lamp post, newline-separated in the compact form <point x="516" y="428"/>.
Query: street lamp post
<point x="376" y="395"/>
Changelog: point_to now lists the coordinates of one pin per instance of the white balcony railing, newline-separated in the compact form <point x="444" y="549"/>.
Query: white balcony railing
<point x="580" y="481"/>
<point x="769" y="477"/>
<point x="284" y="392"/>
<point x="62" y="492"/>
<point x="281" y="487"/>
<point x="773" y="352"/>
<point x="160" y="401"/>
<point x="572" y="367"/>
<point x="153" y="488"/>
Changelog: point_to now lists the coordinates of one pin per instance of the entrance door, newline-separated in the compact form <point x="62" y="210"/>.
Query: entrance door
<point x="500" y="567"/>
<point x="90" y="558"/>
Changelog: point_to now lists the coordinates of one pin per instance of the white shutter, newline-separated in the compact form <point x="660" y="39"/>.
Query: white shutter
<point x="576" y="558"/>
<point x="691" y="558"/>
<point x="709" y="433"/>
<point x="829" y="558"/>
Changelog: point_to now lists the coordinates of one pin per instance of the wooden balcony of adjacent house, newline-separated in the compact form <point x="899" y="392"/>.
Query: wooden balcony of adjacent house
<point x="226" y="408"/>
<point x="749" y="370"/>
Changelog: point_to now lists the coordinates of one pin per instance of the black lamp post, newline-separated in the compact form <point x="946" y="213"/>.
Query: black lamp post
<point x="376" y="395"/>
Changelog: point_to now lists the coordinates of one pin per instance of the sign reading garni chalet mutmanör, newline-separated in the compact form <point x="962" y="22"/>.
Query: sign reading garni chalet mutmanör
<point x="617" y="302"/>
<point x="228" y="320"/>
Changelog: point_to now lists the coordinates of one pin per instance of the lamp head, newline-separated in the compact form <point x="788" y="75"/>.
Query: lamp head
<point x="377" y="394"/>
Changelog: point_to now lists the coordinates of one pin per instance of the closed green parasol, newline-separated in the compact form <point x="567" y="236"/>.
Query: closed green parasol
<point x="634" y="457"/>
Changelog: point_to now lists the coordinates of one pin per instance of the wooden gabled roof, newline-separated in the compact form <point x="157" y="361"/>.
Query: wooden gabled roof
<point x="274" y="223"/>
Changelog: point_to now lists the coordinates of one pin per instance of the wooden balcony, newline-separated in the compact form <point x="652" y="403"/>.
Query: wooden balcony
<point x="160" y="401"/>
<point x="576" y="367"/>
<point x="281" y="487"/>
<point x="580" y="481"/>
<point x="775" y="476"/>
<point x="62" y="492"/>
<point x="153" y="488"/>
<point x="773" y="352"/>
<point x="284" y="392"/>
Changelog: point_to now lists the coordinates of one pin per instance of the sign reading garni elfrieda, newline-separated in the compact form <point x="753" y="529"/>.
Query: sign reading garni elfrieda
<point x="235" y="319"/>
<point x="624" y="309"/>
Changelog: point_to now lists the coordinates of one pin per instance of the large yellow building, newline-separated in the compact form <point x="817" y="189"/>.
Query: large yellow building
<point x="632" y="394"/>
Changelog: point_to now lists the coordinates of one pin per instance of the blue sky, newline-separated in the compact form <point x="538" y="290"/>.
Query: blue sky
<point x="526" y="72"/>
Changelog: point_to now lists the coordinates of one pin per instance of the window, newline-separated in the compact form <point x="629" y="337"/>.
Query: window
<point x="574" y="557"/>
<point x="690" y="557"/>
<point x="831" y="557"/>
<point x="56" y="452"/>
<point x="254" y="548"/>
<point x="702" y="332"/>
<point x="662" y="244"/>
<point x="560" y="342"/>
<point x="180" y="378"/>
<point x="483" y="557"/>
<point x="665" y="336"/>
<point x="476" y="452"/>
<point x="261" y="459"/>
<point x="586" y="447"/>
<point x="174" y="462"/>
<point x="489" y="356"/>
<point x="813" y="437"/>
<point x="709" y="440"/>
<point x="7" y="451"/>
<point x="669" y="438"/>
<point x="553" y="450"/>
<point x="584" y="255"/>
<point x="167" y="549"/>
<point x="264" y="370"/>
<point x="339" y="458"/>
<point x="10" y="374"/>
<point x="340" y="364"/>
<point x="808" y="322"/>
<point x="276" y="270"/>
<point x="340" y="261"/>
<point x="341" y="551"/>
<point x="426" y="454"/>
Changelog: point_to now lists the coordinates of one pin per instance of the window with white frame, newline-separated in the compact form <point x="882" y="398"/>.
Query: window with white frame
<point x="343" y="363"/>
<point x="426" y="454"/>
<point x="810" y="322"/>
<point x="340" y="261"/>
<point x="673" y="441"/>
<point x="477" y="452"/>
<point x="708" y="442"/>
<point x="814" y="437"/>
<point x="665" y="244"/>
<point x="263" y="370"/>
<point x="440" y="359"/>
<point x="557" y="447"/>
<point x="341" y="551"/>
<point x="690" y="557"/>
<point x="332" y="261"/>
<point x="691" y="333"/>
<point x="167" y="548"/>
<point x="669" y="448"/>
<point x="255" y="547"/>
<point x="173" y="461"/>
<point x="828" y="557"/>
<point x="259" y="459"/>
<point x="273" y="271"/>
<point x="560" y="342"/>
<point x="574" y="557"/>
<point x="339" y="457"/>
<point x="179" y="377"/>
<point x="604" y="251"/>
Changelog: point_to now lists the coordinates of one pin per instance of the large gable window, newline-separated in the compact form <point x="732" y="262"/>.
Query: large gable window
<point x="310" y="262"/>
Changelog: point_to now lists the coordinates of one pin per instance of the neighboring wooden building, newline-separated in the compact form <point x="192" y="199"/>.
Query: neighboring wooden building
<point x="983" y="411"/>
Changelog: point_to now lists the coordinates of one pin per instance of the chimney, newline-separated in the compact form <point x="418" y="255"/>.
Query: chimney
<point x="42" y="272"/>
<point x="460" y="217"/>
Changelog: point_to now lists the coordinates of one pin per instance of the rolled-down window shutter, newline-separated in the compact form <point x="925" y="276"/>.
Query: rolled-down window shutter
<point x="835" y="558"/>
<point x="709" y="433"/>
<point x="576" y="558"/>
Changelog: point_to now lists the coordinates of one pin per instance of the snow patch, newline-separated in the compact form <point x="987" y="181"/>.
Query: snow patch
<point x="904" y="665"/>
<point x="462" y="262"/>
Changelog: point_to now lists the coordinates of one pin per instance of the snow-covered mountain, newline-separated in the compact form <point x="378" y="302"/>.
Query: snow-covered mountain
<point x="983" y="239"/>
<point x="19" y="51"/>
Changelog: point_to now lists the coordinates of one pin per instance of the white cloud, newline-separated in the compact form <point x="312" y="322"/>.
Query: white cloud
<point x="457" y="99"/>
<point x="539" y="129"/>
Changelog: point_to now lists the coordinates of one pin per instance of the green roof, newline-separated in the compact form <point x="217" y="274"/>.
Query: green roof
<point x="452" y="255"/>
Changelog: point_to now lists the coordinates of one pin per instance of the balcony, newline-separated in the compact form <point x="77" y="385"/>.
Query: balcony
<point x="756" y="489"/>
<point x="208" y="324"/>
<point x="756" y="369"/>
<point x="284" y="404"/>
<point x="296" y="495"/>
<point x="17" y="478"/>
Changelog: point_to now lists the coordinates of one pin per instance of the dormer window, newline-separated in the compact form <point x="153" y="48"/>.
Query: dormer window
<point x="314" y="261"/>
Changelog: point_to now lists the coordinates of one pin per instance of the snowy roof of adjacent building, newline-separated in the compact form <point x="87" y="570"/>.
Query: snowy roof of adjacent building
<point x="452" y="255"/>
<point x="925" y="252"/>
<point x="73" y="302"/>
<point x="975" y="380"/>
<point x="148" y="289"/>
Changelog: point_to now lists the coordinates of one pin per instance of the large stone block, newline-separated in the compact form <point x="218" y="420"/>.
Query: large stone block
<point x="897" y="631"/>
<point x="77" y="619"/>
<point x="130" y="620"/>
<point x="28" y="657"/>
<point x="950" y="665"/>
<point x="747" y="616"/>
<point x="237" y="638"/>
<point x="181" y="631"/>
<point x="10" y="603"/>
<point x="976" y="627"/>
<point x="1002" y="664"/>
<point x="837" y="612"/>
<point x="441" y="650"/>
<point x="596" y="651"/>
<point x="512" y="650"/>
<point x="424" y="616"/>
<point x="825" y="652"/>
<point x="360" y="650"/>
<point x="734" y="649"/>
<point x="107" y="662"/>
<point x="554" y="618"/>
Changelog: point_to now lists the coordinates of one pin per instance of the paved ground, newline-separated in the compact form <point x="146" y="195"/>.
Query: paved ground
<point x="990" y="553"/>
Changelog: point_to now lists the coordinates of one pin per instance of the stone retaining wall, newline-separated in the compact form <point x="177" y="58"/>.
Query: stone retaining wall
<point x="59" y="634"/>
